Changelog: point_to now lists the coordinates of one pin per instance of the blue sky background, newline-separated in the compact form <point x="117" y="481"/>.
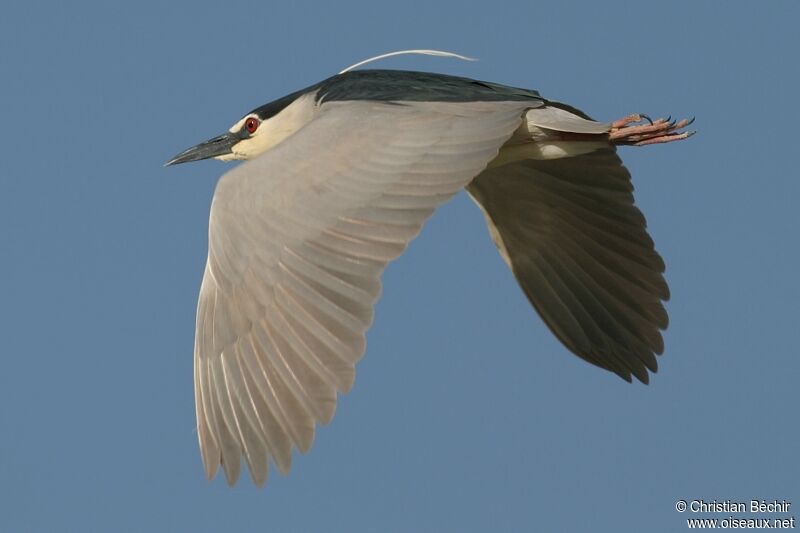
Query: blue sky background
<point x="467" y="415"/>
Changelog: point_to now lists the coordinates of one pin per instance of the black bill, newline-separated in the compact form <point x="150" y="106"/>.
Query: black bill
<point x="211" y="148"/>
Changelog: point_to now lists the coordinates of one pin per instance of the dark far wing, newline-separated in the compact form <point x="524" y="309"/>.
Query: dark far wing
<point x="579" y="248"/>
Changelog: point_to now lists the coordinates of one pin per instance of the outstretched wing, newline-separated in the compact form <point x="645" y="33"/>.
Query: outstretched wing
<point x="299" y="238"/>
<point x="579" y="248"/>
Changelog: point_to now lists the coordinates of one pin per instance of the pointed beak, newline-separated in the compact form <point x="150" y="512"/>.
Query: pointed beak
<point x="215" y="147"/>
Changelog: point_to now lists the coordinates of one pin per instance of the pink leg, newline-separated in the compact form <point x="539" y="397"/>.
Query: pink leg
<point x="625" y="131"/>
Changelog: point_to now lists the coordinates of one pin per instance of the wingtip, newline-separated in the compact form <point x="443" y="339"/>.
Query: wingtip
<point x="259" y="478"/>
<point x="210" y="467"/>
<point x="641" y="376"/>
<point x="231" y="474"/>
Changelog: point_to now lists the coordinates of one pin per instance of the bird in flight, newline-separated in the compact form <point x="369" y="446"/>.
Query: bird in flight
<point x="340" y="177"/>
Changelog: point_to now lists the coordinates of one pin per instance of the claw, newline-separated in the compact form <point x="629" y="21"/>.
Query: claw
<point x="664" y="138"/>
<point x="663" y="130"/>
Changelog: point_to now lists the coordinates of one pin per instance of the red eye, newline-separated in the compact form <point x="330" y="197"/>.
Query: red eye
<point x="251" y="124"/>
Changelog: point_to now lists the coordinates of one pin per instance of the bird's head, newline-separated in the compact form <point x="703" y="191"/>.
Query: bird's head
<point x="256" y="132"/>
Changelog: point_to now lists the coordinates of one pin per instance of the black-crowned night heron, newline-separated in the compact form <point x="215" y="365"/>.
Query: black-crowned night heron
<point x="340" y="178"/>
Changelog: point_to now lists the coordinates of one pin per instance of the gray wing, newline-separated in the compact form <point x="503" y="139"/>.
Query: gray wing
<point x="298" y="239"/>
<point x="578" y="246"/>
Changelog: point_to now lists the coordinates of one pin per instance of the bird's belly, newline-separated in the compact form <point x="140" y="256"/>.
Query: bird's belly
<point x="533" y="142"/>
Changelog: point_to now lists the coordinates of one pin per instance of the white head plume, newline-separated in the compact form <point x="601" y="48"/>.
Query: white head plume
<point x="438" y="53"/>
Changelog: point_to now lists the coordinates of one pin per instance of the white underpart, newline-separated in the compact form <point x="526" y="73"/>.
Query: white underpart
<point x="438" y="53"/>
<point x="540" y="137"/>
<point x="273" y="130"/>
